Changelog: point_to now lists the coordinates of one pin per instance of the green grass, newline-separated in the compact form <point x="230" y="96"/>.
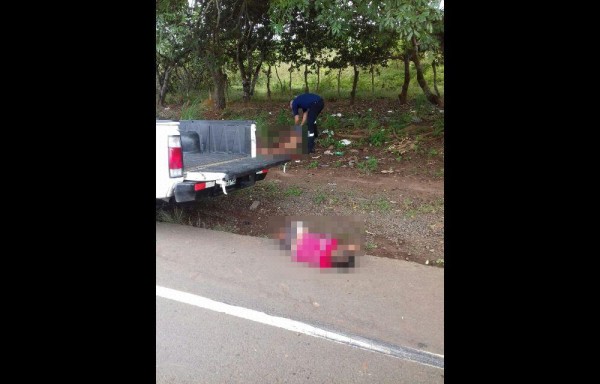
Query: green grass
<point x="283" y="117"/>
<point x="379" y="204"/>
<point x="266" y="189"/>
<point x="225" y="228"/>
<point x="331" y="123"/>
<point x="192" y="110"/>
<point x="422" y="106"/>
<point x="320" y="198"/>
<point x="378" y="137"/>
<point x="413" y="210"/>
<point x="293" y="191"/>
<point x="176" y="216"/>
<point x="387" y="84"/>
<point x="367" y="166"/>
<point x="313" y="164"/>
<point x="383" y="205"/>
<point x="398" y="124"/>
<point x="269" y="187"/>
<point x="438" y="127"/>
<point x="369" y="246"/>
<point x="325" y="141"/>
<point x="369" y="122"/>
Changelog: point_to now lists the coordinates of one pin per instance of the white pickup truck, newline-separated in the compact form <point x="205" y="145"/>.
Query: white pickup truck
<point x="197" y="158"/>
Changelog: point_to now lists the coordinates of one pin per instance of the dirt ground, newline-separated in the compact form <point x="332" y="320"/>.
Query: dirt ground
<point x="400" y="201"/>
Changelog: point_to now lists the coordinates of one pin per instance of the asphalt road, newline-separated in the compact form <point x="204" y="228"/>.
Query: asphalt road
<point x="394" y="306"/>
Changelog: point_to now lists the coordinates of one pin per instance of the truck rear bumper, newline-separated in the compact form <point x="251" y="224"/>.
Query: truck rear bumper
<point x="194" y="190"/>
<point x="245" y="172"/>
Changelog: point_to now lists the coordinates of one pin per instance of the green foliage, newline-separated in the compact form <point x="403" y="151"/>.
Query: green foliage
<point x="177" y="215"/>
<point x="293" y="191"/>
<point x="383" y="205"/>
<point x="269" y="188"/>
<point x="192" y="111"/>
<point x="283" y="117"/>
<point x="313" y="164"/>
<point x="422" y="106"/>
<point x="399" y="123"/>
<point x="379" y="137"/>
<point x="330" y="123"/>
<point x="340" y="33"/>
<point x="438" y="127"/>
<point x="325" y="141"/>
<point x="320" y="197"/>
<point x="368" y="166"/>
<point x="339" y="146"/>
<point x="370" y="122"/>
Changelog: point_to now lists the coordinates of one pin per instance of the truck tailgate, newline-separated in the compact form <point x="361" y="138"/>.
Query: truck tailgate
<point x="234" y="168"/>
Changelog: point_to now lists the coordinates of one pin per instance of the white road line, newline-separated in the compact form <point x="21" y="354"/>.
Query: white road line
<point x="422" y="357"/>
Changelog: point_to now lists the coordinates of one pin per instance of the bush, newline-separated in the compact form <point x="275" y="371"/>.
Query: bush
<point x="379" y="137"/>
<point x="368" y="166"/>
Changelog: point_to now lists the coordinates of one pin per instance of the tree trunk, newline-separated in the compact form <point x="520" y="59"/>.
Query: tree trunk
<point x="245" y="90"/>
<point x="404" y="93"/>
<point x="306" y="78"/>
<point x="255" y="77"/>
<point x="354" y="84"/>
<point x="186" y="82"/>
<point x="227" y="88"/>
<point x="372" y="80"/>
<point x="157" y="90"/>
<point x="268" y="75"/>
<point x="339" y="76"/>
<point x="318" y="77"/>
<point x="244" y="74"/>
<point x="163" y="87"/>
<point x="281" y="86"/>
<point x="219" y="82"/>
<point x="291" y="70"/>
<point x="435" y="78"/>
<point x="433" y="98"/>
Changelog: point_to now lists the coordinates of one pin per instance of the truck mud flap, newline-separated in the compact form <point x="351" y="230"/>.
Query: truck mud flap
<point x="185" y="191"/>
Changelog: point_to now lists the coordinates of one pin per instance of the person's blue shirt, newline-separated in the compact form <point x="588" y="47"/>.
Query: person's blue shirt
<point x="303" y="101"/>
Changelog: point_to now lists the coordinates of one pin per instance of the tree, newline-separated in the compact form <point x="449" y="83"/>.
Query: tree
<point x="292" y="46"/>
<point x="414" y="21"/>
<point x="271" y="60"/>
<point x="362" y="45"/>
<point x="304" y="38"/>
<point x="253" y="36"/>
<point x="209" y="22"/>
<point x="172" y="44"/>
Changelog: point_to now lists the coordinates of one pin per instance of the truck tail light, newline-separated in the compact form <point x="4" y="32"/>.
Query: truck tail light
<point x="175" y="157"/>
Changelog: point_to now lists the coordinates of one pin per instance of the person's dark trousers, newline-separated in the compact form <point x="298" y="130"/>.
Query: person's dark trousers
<point x="313" y="111"/>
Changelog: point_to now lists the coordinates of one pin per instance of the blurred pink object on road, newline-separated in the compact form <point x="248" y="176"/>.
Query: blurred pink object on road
<point x="315" y="249"/>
